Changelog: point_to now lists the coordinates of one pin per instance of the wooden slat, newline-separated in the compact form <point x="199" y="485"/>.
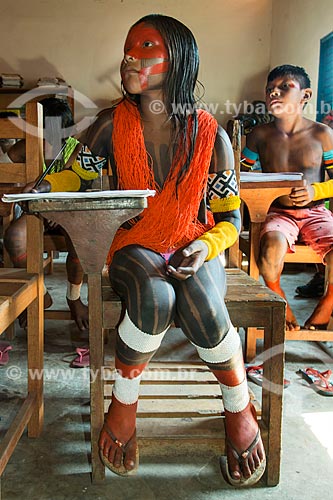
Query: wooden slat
<point x="169" y="390"/>
<point x="306" y="335"/>
<point x="179" y="436"/>
<point x="17" y="300"/>
<point x="12" y="173"/>
<point x="15" y="431"/>
<point x="13" y="128"/>
<point x="179" y="407"/>
<point x="58" y="314"/>
<point x="303" y="255"/>
<point x="175" y="408"/>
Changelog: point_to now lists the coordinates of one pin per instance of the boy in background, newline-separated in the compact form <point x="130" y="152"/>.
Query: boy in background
<point x="293" y="143"/>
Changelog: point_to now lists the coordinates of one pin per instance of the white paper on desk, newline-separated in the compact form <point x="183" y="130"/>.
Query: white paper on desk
<point x="270" y="177"/>
<point x="125" y="193"/>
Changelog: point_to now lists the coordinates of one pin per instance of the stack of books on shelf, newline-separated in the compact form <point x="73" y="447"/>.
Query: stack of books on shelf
<point x="11" y="80"/>
<point x="50" y="81"/>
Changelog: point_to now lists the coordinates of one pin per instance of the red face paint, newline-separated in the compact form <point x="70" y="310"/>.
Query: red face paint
<point x="144" y="45"/>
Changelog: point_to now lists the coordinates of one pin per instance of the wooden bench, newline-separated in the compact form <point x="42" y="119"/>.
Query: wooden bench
<point x="185" y="411"/>
<point x="249" y="304"/>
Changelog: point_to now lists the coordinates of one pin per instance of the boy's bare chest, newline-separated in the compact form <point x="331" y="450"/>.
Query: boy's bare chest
<point x="287" y="154"/>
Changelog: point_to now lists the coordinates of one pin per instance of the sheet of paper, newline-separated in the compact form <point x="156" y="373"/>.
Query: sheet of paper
<point x="269" y="177"/>
<point x="138" y="193"/>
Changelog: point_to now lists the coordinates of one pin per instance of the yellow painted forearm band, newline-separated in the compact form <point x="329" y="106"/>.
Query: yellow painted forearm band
<point x="225" y="204"/>
<point x="323" y="190"/>
<point x="86" y="175"/>
<point x="66" y="180"/>
<point x="219" y="238"/>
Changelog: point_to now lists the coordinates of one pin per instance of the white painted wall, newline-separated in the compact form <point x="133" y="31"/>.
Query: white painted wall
<point x="297" y="27"/>
<point x="82" y="41"/>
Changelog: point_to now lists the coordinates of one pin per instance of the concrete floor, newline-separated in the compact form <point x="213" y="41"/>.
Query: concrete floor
<point x="56" y="466"/>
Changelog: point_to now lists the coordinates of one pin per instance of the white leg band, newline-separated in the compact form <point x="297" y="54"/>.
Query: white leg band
<point x="126" y="390"/>
<point x="136" y="339"/>
<point x="235" y="399"/>
<point x="223" y="351"/>
<point x="73" y="291"/>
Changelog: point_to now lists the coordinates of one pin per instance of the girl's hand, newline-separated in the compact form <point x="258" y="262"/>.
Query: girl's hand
<point x="188" y="261"/>
<point x="44" y="187"/>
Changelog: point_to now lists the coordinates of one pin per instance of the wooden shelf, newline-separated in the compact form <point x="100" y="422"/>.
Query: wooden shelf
<point x="37" y="93"/>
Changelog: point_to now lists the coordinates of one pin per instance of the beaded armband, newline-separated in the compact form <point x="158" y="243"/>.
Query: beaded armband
<point x="223" y="191"/>
<point x="219" y="238"/>
<point x="88" y="166"/>
<point x="249" y="158"/>
<point x="324" y="190"/>
<point x="66" y="180"/>
<point x="328" y="159"/>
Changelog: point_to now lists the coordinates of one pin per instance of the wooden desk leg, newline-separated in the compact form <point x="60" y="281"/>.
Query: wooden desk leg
<point x="254" y="249"/>
<point x="96" y="347"/>
<point x="251" y="333"/>
<point x="272" y="392"/>
<point x="250" y="344"/>
<point x="35" y="330"/>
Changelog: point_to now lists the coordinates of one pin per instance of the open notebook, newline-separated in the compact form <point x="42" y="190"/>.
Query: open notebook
<point x="270" y="177"/>
<point x="129" y="193"/>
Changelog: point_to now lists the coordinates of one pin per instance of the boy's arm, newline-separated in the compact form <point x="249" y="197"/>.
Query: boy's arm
<point x="249" y="154"/>
<point x="324" y="190"/>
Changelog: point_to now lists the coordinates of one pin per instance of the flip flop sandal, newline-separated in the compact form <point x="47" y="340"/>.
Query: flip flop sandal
<point x="255" y="374"/>
<point x="318" y="381"/>
<point x="242" y="482"/>
<point x="120" y="471"/>
<point x="4" y="350"/>
<point x="82" y="359"/>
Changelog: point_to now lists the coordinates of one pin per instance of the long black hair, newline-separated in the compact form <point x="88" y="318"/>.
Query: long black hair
<point x="180" y="81"/>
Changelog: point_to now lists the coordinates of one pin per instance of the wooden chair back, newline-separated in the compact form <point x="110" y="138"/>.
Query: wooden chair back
<point x="23" y="288"/>
<point x="15" y="175"/>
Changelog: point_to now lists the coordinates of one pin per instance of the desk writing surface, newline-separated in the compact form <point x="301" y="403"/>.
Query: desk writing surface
<point x="254" y="176"/>
<point x="91" y="222"/>
<point x="258" y="197"/>
<point x="85" y="195"/>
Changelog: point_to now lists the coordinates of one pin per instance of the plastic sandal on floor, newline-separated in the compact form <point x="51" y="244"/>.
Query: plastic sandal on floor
<point x="320" y="382"/>
<point x="255" y="373"/>
<point x="4" y="353"/>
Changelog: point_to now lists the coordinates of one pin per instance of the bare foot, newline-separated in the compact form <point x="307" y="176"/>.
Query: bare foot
<point x="79" y="313"/>
<point x="291" y="321"/>
<point x="321" y="315"/>
<point x="117" y="440"/>
<point x="23" y="318"/>
<point x="241" y="431"/>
